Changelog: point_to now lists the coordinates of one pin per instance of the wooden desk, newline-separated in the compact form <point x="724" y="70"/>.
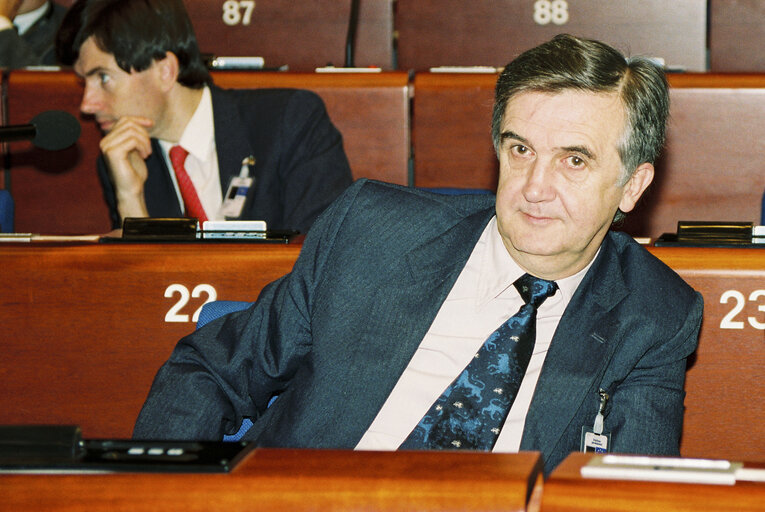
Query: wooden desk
<point x="370" y="110"/>
<point x="692" y="183"/>
<point x="566" y="491"/>
<point x="275" y="480"/>
<point x="736" y="35"/>
<point x="491" y="33"/>
<point x="724" y="408"/>
<point x="302" y="35"/>
<point x="86" y="327"/>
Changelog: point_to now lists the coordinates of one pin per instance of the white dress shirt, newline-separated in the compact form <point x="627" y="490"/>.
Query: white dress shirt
<point x="198" y="139"/>
<point x="24" y="22"/>
<point x="483" y="297"/>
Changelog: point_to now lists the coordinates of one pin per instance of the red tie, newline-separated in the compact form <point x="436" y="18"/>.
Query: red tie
<point x="188" y="192"/>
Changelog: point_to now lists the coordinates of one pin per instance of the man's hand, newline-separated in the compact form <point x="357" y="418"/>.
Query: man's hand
<point x="125" y="148"/>
<point x="9" y="8"/>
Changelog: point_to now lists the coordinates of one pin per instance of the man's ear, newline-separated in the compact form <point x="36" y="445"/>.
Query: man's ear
<point x="168" y="70"/>
<point x="641" y="178"/>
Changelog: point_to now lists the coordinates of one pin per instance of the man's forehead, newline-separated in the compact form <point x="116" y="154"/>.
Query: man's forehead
<point x="569" y="113"/>
<point x="92" y="58"/>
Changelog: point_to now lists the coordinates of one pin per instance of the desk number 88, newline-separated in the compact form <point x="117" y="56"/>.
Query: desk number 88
<point x="547" y="11"/>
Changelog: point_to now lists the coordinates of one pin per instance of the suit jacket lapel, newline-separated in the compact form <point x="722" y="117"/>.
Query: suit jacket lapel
<point x="231" y="142"/>
<point x="425" y="277"/>
<point x="578" y="355"/>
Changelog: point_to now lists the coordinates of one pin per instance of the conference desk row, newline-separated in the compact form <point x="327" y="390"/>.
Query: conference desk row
<point x="431" y="130"/>
<point x="418" y="34"/>
<point x="85" y="326"/>
<point x="319" y="480"/>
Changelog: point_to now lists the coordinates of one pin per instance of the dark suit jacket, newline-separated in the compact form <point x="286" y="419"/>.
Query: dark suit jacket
<point x="37" y="46"/>
<point x="333" y="336"/>
<point x="300" y="163"/>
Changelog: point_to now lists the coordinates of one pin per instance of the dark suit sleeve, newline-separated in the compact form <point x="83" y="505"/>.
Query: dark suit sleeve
<point x="15" y="52"/>
<point x="36" y="46"/>
<point x="646" y="409"/>
<point x="230" y="368"/>
<point x="109" y="194"/>
<point x="315" y="170"/>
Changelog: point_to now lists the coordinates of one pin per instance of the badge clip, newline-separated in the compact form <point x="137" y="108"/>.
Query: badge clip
<point x="593" y="439"/>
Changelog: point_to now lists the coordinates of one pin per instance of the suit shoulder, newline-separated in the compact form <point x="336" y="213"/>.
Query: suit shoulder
<point x="400" y="199"/>
<point x="644" y="271"/>
<point x="270" y="97"/>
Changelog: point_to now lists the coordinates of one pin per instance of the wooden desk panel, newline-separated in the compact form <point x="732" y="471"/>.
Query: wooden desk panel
<point x="726" y="377"/>
<point x="567" y="491"/>
<point x="288" y="480"/>
<point x="451" y="131"/>
<point x="489" y="32"/>
<point x="736" y="35"/>
<point x="692" y="182"/>
<point x="370" y="110"/>
<point x="302" y="35"/>
<point x="86" y="327"/>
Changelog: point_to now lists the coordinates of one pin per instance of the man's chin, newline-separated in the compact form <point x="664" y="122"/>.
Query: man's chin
<point x="534" y="241"/>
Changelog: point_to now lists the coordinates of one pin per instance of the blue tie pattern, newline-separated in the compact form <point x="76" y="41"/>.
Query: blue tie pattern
<point x="470" y="413"/>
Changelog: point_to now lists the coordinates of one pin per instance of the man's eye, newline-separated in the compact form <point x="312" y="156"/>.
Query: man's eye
<point x="104" y="78"/>
<point x="575" y="161"/>
<point x="520" y="149"/>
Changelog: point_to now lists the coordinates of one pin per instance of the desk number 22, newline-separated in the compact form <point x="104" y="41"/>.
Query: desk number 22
<point x="174" y="314"/>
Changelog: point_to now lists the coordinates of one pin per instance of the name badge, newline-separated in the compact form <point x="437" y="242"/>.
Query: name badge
<point x="236" y="194"/>
<point x="593" y="438"/>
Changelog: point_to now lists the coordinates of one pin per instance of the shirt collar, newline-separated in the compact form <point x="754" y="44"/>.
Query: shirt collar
<point x="199" y="135"/>
<point x="499" y="271"/>
<point x="24" y="21"/>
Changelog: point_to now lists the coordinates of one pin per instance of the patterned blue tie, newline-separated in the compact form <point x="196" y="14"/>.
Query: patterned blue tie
<point x="470" y="413"/>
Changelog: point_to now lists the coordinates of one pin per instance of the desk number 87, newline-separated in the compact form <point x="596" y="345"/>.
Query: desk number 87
<point x="237" y="12"/>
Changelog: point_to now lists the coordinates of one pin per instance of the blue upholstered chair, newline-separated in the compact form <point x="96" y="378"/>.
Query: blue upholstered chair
<point x="217" y="308"/>
<point x="6" y="212"/>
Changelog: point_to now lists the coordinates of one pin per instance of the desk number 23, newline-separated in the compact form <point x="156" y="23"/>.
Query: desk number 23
<point x="739" y="301"/>
<point x="174" y="314"/>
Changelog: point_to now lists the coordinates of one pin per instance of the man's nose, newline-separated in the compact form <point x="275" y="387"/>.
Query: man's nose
<point x="538" y="185"/>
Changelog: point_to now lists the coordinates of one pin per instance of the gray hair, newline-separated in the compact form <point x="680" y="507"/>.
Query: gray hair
<point x="568" y="62"/>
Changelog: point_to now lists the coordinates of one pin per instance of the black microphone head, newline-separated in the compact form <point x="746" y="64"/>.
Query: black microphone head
<point x="55" y="130"/>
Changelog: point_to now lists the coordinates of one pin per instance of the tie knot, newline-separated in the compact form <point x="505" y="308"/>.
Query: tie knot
<point x="178" y="156"/>
<point x="535" y="290"/>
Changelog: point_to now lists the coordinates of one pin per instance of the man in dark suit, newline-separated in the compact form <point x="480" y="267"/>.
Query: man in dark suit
<point x="396" y="289"/>
<point x="27" y="32"/>
<point x="270" y="155"/>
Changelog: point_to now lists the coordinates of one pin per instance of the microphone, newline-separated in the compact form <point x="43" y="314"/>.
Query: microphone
<point x="52" y="130"/>
<point x="350" y="39"/>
